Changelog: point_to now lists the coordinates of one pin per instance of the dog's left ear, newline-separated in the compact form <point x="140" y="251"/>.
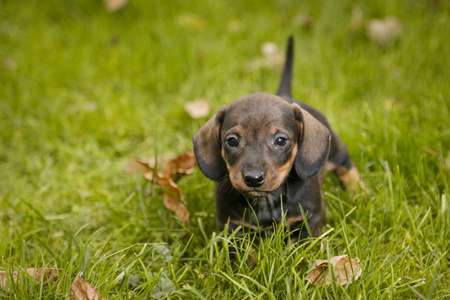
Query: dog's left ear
<point x="207" y="148"/>
<point x="314" y="144"/>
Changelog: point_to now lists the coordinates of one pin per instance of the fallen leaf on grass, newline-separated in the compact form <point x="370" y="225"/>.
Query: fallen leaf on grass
<point x="10" y="64"/>
<point x="357" y="20"/>
<point x="303" y="20"/>
<point x="384" y="32"/>
<point x="273" y="56"/>
<point x="169" y="166"/>
<point x="81" y="290"/>
<point x="38" y="274"/>
<point x="137" y="165"/>
<point x="170" y="196"/>
<point x="115" y="5"/>
<point x="185" y="162"/>
<point x="344" y="270"/>
<point x="165" y="172"/>
<point x="143" y="165"/>
<point x="198" y="108"/>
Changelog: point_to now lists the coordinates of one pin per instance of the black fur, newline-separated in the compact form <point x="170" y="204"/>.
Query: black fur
<point x="285" y="142"/>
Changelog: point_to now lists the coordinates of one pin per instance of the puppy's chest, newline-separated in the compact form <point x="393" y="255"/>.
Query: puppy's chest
<point x="269" y="208"/>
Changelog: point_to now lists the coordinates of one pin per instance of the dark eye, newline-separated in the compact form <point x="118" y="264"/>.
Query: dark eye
<point x="232" y="142"/>
<point x="280" y="141"/>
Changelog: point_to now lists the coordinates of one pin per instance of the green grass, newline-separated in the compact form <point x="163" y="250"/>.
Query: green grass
<point x="83" y="90"/>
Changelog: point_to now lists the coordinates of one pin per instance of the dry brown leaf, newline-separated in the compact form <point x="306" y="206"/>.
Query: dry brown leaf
<point x="171" y="196"/>
<point x="357" y="20"/>
<point x="10" y="64"/>
<point x="273" y="57"/>
<point x="163" y="165"/>
<point x="46" y="274"/>
<point x="197" y="109"/>
<point x="304" y="20"/>
<point x="165" y="182"/>
<point x="115" y="5"/>
<point x="81" y="290"/>
<point x="384" y="32"/>
<point x="344" y="270"/>
<point x="3" y="279"/>
<point x="137" y="165"/>
<point x="167" y="170"/>
<point x="169" y="166"/>
<point x="172" y="203"/>
<point x="185" y="163"/>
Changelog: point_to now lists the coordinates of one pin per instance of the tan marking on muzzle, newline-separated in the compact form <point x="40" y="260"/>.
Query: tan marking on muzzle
<point x="284" y="169"/>
<point x="235" y="176"/>
<point x="275" y="180"/>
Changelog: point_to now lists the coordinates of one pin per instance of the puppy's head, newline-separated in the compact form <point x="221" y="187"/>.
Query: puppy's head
<point x="257" y="139"/>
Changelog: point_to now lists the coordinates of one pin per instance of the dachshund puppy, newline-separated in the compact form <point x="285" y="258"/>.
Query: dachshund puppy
<point x="269" y="155"/>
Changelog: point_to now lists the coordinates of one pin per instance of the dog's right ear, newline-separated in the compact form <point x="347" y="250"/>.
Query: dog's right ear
<point x="314" y="144"/>
<point x="207" y="148"/>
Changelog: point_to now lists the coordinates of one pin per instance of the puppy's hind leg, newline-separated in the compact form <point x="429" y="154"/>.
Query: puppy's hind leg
<point x="349" y="177"/>
<point x="343" y="166"/>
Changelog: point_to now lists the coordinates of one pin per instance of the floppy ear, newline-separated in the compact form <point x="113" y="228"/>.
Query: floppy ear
<point x="314" y="144"/>
<point x="207" y="148"/>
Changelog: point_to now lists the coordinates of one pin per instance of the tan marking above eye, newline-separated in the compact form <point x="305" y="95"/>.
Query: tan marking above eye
<point x="273" y="129"/>
<point x="239" y="131"/>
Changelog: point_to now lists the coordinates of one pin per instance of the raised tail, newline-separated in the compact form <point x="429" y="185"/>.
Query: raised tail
<point x="284" y="90"/>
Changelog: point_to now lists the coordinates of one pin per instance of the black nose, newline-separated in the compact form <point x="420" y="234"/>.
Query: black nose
<point x="254" y="180"/>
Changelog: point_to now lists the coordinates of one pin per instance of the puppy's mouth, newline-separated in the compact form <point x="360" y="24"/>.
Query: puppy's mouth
<point x="256" y="193"/>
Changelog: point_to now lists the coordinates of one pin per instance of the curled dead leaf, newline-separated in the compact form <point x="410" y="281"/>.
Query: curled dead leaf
<point x="172" y="203"/>
<point x="185" y="163"/>
<point x="10" y="64"/>
<point x="164" y="182"/>
<point x="199" y="108"/>
<point x="115" y="5"/>
<point x="384" y="32"/>
<point x="169" y="166"/>
<point x="344" y="271"/>
<point x="273" y="56"/>
<point x="46" y="275"/>
<point x="164" y="172"/>
<point x="170" y="196"/>
<point x="137" y="165"/>
<point x="81" y="290"/>
<point x="357" y="20"/>
<point x="303" y="20"/>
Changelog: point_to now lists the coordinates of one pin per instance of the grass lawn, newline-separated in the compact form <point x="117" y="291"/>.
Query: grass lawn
<point x="83" y="90"/>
